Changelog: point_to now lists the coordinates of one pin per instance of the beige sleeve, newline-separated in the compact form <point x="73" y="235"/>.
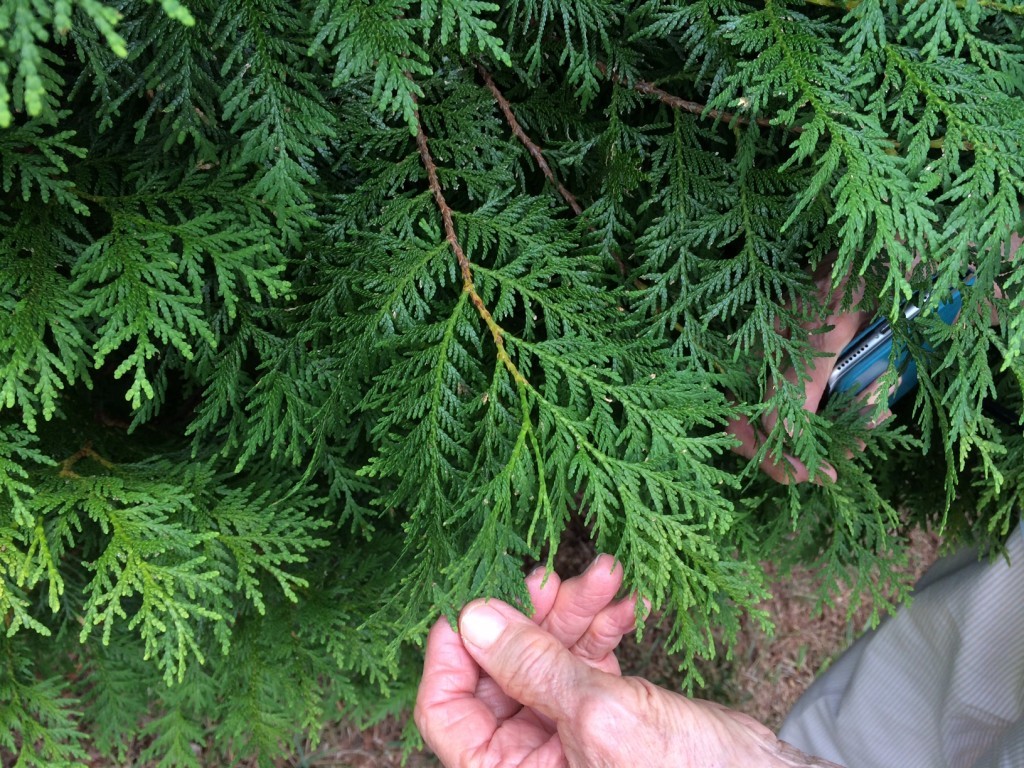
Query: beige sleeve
<point x="938" y="685"/>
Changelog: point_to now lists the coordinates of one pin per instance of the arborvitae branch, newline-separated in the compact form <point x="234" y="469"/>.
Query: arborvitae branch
<point x="531" y="146"/>
<point x="465" y="268"/>
<point x="268" y="243"/>
<point x="849" y="5"/>
<point x="536" y="154"/>
<point x="732" y="118"/>
<point x="695" y="108"/>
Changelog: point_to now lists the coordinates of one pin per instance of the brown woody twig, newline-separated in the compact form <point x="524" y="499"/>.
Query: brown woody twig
<point x="465" y="268"/>
<point x="701" y="110"/>
<point x="693" y="107"/>
<point x="85" y="452"/>
<point x="530" y="145"/>
<point x="535" y="152"/>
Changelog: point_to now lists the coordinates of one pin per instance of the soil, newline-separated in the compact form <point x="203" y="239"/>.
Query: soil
<point x="763" y="678"/>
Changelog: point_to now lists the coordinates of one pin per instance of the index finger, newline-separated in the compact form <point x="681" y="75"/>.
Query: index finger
<point x="450" y="717"/>
<point x="843" y="328"/>
<point x="582" y="598"/>
<point x="841" y="325"/>
<point x="792" y="471"/>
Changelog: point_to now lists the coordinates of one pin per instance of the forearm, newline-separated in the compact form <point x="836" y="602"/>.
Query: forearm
<point x="728" y="738"/>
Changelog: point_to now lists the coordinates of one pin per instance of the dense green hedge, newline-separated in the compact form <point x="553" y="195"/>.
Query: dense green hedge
<point x="319" y="318"/>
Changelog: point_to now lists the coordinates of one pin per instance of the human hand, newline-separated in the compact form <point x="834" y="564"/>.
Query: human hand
<point x="828" y="338"/>
<point x="512" y="692"/>
<point x="581" y="614"/>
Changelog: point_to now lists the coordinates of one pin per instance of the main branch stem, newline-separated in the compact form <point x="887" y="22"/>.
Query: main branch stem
<point x="536" y="153"/>
<point x="465" y="268"/>
<point x="531" y="146"/>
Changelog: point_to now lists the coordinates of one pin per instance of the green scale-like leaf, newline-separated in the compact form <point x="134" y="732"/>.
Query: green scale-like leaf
<point x="323" y="318"/>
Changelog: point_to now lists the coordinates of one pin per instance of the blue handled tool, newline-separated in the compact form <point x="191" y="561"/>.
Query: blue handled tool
<point x="867" y="357"/>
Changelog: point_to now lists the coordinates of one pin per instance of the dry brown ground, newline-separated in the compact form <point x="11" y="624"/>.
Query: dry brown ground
<point x="764" y="677"/>
<point x="767" y="674"/>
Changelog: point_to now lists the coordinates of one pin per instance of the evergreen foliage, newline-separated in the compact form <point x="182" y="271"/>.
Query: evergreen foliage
<point x="322" y="318"/>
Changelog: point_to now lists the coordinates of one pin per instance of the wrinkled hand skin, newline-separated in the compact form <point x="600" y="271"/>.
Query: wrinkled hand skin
<point x="546" y="691"/>
<point x="828" y="337"/>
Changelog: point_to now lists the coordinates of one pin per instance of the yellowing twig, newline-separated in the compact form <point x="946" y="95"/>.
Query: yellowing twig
<point x="85" y="452"/>
<point x="465" y="268"/>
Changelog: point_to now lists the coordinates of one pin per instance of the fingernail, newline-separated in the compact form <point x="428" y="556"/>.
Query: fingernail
<point x="826" y="475"/>
<point x="646" y="603"/>
<point x="481" y="626"/>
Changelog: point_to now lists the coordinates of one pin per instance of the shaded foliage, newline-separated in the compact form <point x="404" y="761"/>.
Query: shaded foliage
<point x="322" y="317"/>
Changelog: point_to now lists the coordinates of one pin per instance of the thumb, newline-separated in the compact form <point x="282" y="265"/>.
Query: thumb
<point x="527" y="662"/>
